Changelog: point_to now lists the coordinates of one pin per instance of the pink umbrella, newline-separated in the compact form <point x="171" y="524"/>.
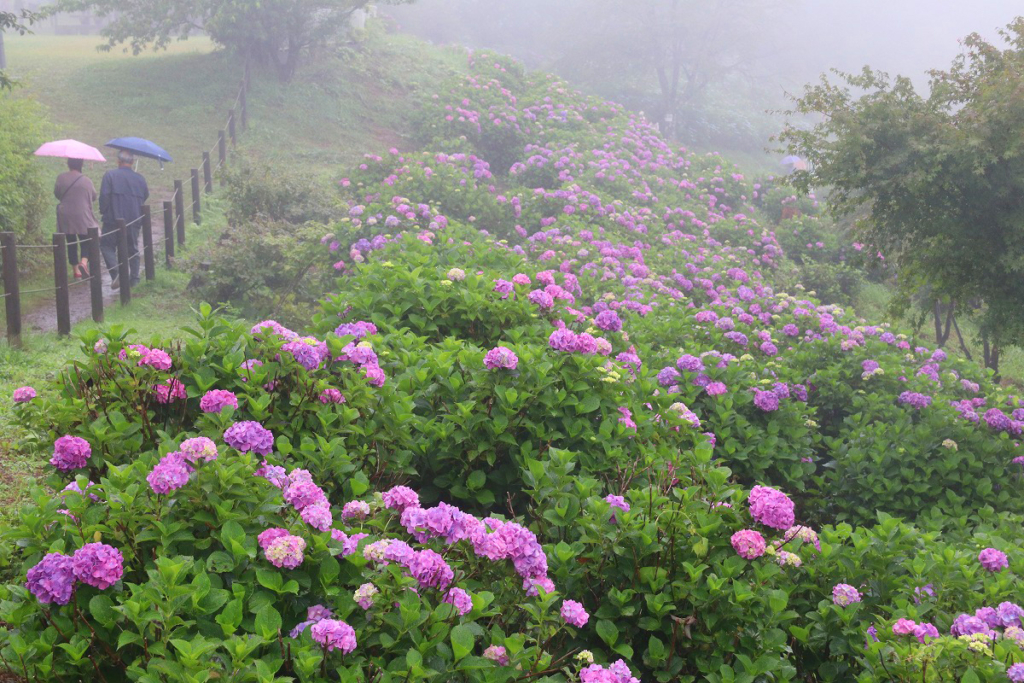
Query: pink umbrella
<point x="70" y="149"/>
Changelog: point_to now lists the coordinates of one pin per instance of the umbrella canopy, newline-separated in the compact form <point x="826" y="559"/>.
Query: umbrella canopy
<point x="69" y="149"/>
<point x="791" y="160"/>
<point x="140" y="147"/>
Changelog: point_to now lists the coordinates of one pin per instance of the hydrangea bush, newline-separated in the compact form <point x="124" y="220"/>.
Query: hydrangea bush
<point x="555" y="420"/>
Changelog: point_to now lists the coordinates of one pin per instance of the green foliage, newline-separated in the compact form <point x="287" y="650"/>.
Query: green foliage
<point x="933" y="173"/>
<point x="275" y="32"/>
<point x="23" y="192"/>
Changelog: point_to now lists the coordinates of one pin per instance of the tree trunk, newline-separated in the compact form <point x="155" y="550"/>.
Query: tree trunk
<point x="942" y="334"/>
<point x="963" y="345"/>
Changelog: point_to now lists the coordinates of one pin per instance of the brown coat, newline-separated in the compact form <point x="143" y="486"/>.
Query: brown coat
<point x="76" y="194"/>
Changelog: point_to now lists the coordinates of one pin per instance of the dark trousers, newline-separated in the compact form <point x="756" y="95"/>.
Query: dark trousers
<point x="73" y="241"/>
<point x="108" y="246"/>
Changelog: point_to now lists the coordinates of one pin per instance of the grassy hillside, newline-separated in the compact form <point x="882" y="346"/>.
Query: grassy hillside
<point x="348" y="103"/>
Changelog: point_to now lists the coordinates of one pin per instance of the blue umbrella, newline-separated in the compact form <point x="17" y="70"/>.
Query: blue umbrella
<point x="143" y="148"/>
<point x="790" y="160"/>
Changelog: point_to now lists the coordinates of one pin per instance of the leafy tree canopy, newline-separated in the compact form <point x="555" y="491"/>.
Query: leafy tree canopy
<point x="939" y="178"/>
<point x="274" y="32"/>
<point x="11" y="21"/>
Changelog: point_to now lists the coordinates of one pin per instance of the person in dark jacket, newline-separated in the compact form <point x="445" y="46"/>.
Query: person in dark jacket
<point x="122" y="194"/>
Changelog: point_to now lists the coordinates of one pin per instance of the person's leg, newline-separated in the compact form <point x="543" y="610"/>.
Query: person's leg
<point x="72" y="242"/>
<point x="108" y="247"/>
<point x="134" y="255"/>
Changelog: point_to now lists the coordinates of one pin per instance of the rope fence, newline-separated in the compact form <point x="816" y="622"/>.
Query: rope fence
<point x="123" y="235"/>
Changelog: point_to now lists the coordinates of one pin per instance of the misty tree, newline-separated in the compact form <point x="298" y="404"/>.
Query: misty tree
<point x="682" y="47"/>
<point x="938" y="178"/>
<point x="10" y="21"/>
<point x="269" y="32"/>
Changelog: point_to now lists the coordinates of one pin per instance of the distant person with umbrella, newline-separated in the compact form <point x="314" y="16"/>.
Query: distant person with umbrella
<point x="122" y="194"/>
<point x="75" y="216"/>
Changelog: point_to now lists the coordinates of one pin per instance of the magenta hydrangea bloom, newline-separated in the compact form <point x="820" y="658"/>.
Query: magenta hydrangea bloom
<point x="170" y="474"/>
<point x="249" y="436"/>
<point x="199" y="448"/>
<point x="771" y="507"/>
<point x="925" y="631"/>
<point x="24" y="394"/>
<point x="460" y="599"/>
<point x="355" y="509"/>
<point x="904" y="627"/>
<point x="286" y="551"/>
<point x="70" y="453"/>
<point x="331" y="396"/>
<point x="169" y="391"/>
<point x="993" y="560"/>
<point x="156" y="359"/>
<point x="608" y="321"/>
<point x="573" y="614"/>
<point x="844" y="595"/>
<point x="430" y="569"/>
<point x="270" y="535"/>
<point x="914" y="400"/>
<point x="768" y="401"/>
<point x="501" y="358"/>
<point x="98" y="565"/>
<point x="52" y="580"/>
<point x="308" y="352"/>
<point x="616" y="673"/>
<point x="333" y="634"/>
<point x="302" y="493"/>
<point x="497" y="654"/>
<point x="748" y="544"/>
<point x="318" y="516"/>
<point x="400" y="498"/>
<point x="364" y="595"/>
<point x="74" y="487"/>
<point x="216" y="400"/>
<point x="563" y="340"/>
<point x="617" y="502"/>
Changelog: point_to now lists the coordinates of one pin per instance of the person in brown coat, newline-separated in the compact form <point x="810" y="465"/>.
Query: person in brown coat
<point x="76" y="195"/>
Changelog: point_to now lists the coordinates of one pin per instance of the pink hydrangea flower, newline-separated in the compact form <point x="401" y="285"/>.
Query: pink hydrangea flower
<point x="70" y="453"/>
<point x="216" y="400"/>
<point x="24" y="394"/>
<point x="844" y="595"/>
<point x="993" y="560"/>
<point x="749" y="544"/>
<point x="98" y="565"/>
<point x="286" y="551"/>
<point x="574" y="614"/>
<point x="333" y="634"/>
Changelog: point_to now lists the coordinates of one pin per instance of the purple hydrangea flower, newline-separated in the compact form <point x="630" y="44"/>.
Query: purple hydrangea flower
<point x="608" y="321"/>
<point x="199" y="448"/>
<point x="574" y="614"/>
<point x="501" y="357"/>
<point x="98" y="565"/>
<point x="70" y="453"/>
<point x="355" y="509"/>
<point x="1016" y="673"/>
<point x="400" y="498"/>
<point x="216" y="400"/>
<point x="914" y="400"/>
<point x="24" y="394"/>
<point x="461" y="600"/>
<point x="269" y="536"/>
<point x="771" y="507"/>
<point x="925" y="631"/>
<point x="52" y="580"/>
<point x="844" y="595"/>
<point x="748" y="543"/>
<point x="331" y="396"/>
<point x="286" y="551"/>
<point x="249" y="436"/>
<point x="170" y="474"/>
<point x="993" y="560"/>
<point x="497" y="654"/>
<point x="318" y="516"/>
<point x="333" y="634"/>
<point x="768" y="401"/>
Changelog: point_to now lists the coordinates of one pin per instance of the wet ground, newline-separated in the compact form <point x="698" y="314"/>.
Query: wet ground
<point x="43" y="315"/>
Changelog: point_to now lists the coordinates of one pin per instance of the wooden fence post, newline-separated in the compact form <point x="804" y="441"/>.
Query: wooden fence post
<point x="123" y="274"/>
<point x="60" y="280"/>
<point x="231" y="128"/>
<point x="244" y="107"/>
<point x="222" y="150"/>
<point x="96" y="271"/>
<point x="168" y="232"/>
<point x="197" y="217"/>
<point x="147" y="242"/>
<point x="12" y="293"/>
<point x="179" y="210"/>
<point x="207" y="173"/>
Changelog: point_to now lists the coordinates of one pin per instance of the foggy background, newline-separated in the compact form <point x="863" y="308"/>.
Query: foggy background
<point x="749" y="52"/>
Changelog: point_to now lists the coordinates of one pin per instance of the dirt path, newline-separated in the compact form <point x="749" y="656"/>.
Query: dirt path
<point x="43" y="316"/>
